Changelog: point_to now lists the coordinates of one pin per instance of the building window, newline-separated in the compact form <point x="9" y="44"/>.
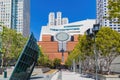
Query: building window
<point x="72" y="38"/>
<point x="110" y="25"/>
<point x="118" y="30"/>
<point x="52" y="38"/>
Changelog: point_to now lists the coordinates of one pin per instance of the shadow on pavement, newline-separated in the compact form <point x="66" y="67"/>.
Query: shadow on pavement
<point x="36" y="77"/>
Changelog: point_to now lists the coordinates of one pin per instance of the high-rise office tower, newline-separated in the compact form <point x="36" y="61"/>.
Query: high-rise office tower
<point x="58" y="19"/>
<point x="51" y="20"/>
<point x="15" y="14"/>
<point x="102" y="12"/>
<point x="5" y="13"/>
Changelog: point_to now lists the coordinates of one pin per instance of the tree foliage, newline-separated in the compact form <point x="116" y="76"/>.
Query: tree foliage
<point x="56" y="62"/>
<point x="107" y="48"/>
<point x="114" y="10"/>
<point x="12" y="44"/>
<point x="73" y="54"/>
<point x="44" y="60"/>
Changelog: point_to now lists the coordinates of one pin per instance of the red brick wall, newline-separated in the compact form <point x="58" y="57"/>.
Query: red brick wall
<point x="76" y="37"/>
<point x="49" y="47"/>
<point x="71" y="45"/>
<point x="58" y="55"/>
<point x="46" y="37"/>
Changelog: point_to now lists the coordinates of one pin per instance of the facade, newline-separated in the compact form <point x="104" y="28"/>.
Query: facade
<point x="51" y="19"/>
<point x="102" y="12"/>
<point x="59" y="39"/>
<point x="55" y="20"/>
<point x="15" y="14"/>
<point x="58" y="20"/>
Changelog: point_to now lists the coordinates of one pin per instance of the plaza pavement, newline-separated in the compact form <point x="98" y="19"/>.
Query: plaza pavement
<point x="57" y="75"/>
<point x="36" y="75"/>
<point x="67" y="75"/>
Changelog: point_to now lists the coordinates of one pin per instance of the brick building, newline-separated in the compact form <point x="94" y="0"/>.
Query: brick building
<point x="57" y="40"/>
<point x="51" y="48"/>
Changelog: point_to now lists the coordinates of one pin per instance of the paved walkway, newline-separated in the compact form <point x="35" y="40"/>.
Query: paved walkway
<point x="60" y="75"/>
<point x="67" y="75"/>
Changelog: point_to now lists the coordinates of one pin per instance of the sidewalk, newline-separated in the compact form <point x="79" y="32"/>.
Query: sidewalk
<point x="40" y="76"/>
<point x="9" y="72"/>
<point x="63" y="75"/>
<point x="67" y="75"/>
<point x="36" y="75"/>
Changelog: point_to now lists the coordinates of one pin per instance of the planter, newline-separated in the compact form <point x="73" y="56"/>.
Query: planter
<point x="109" y="77"/>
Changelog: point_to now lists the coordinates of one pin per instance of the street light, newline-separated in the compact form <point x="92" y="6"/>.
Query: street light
<point x="80" y="65"/>
<point x="91" y="32"/>
<point x="74" y="65"/>
<point x="1" y="28"/>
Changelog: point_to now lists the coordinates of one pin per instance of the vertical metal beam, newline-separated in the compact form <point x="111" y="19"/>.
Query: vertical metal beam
<point x="1" y="55"/>
<point x="80" y="66"/>
<point x="96" y="62"/>
<point x="73" y="65"/>
<point x="1" y="45"/>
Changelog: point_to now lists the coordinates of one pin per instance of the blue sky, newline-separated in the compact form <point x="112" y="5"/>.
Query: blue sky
<point x="75" y="10"/>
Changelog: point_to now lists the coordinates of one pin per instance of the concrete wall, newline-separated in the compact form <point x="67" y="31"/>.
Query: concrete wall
<point x="108" y="77"/>
<point x="115" y="66"/>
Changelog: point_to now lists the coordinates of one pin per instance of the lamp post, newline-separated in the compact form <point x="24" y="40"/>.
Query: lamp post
<point x="1" y="29"/>
<point x="74" y="65"/>
<point x="0" y="42"/>
<point x="80" y="66"/>
<point x="92" y="33"/>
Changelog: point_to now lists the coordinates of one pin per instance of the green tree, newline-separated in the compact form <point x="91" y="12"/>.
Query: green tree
<point x="12" y="44"/>
<point x="84" y="51"/>
<point x="56" y="62"/>
<point x="43" y="60"/>
<point x="108" y="46"/>
<point x="114" y="10"/>
<point x="87" y="54"/>
<point x="73" y="55"/>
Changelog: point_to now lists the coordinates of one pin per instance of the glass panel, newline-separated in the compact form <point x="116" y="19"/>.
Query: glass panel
<point x="26" y="61"/>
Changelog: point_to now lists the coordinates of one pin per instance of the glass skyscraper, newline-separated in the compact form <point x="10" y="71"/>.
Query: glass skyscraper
<point x="15" y="14"/>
